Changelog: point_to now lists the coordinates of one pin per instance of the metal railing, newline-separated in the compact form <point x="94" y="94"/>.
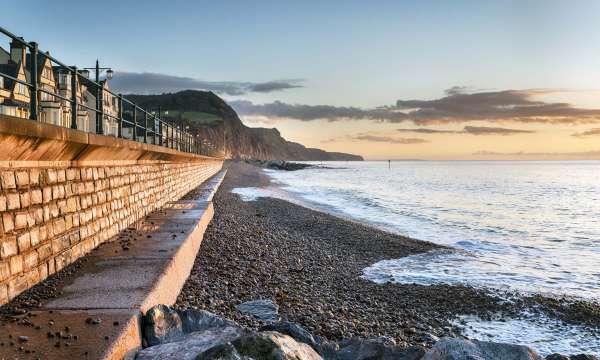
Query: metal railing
<point x="130" y="120"/>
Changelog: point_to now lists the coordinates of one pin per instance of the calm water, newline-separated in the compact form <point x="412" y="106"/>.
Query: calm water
<point x="525" y="226"/>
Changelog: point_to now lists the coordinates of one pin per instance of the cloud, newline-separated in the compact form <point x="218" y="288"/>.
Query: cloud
<point x="370" y="137"/>
<point x="473" y="130"/>
<point x="153" y="83"/>
<point x="457" y="106"/>
<point x="515" y="105"/>
<point x="280" y="109"/>
<point x="594" y="154"/>
<point x="484" y="130"/>
<point x="389" y="139"/>
<point x="429" y="131"/>
<point x="587" y="133"/>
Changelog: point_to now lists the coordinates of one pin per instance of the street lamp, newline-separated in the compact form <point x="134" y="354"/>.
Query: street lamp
<point x="109" y="72"/>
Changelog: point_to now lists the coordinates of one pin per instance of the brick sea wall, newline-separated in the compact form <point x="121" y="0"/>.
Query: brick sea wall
<point x="54" y="213"/>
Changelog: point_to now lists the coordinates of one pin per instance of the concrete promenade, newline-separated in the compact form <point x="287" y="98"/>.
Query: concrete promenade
<point x="97" y="315"/>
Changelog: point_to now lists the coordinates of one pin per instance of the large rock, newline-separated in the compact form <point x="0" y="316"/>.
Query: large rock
<point x="358" y="349"/>
<point x="271" y="345"/>
<point x="221" y="352"/>
<point x="263" y="309"/>
<point x="454" y="349"/>
<point x="192" y="346"/>
<point x="163" y="324"/>
<point x="296" y="331"/>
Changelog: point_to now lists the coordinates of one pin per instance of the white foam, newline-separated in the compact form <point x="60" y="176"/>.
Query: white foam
<point x="545" y="335"/>
<point x="251" y="193"/>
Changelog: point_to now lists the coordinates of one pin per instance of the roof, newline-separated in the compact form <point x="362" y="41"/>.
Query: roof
<point x="4" y="56"/>
<point x="10" y="69"/>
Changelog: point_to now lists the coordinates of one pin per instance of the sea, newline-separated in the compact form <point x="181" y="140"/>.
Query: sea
<point x="531" y="227"/>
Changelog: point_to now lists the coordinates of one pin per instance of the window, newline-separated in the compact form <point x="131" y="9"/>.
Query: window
<point x="64" y="80"/>
<point x="20" y="89"/>
<point x="1" y="82"/>
<point x="46" y="73"/>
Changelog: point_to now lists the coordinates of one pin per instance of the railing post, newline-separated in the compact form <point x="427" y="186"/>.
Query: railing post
<point x="74" y="98"/>
<point x="33" y="69"/>
<point x="120" y="128"/>
<point x="134" y="122"/>
<point x="100" y="110"/>
<point x="160" y="125"/>
<point x="145" y="126"/>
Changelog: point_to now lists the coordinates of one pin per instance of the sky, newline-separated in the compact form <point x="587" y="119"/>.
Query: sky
<point x="383" y="79"/>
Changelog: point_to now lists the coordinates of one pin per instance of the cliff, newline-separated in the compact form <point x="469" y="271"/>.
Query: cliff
<point x="211" y="117"/>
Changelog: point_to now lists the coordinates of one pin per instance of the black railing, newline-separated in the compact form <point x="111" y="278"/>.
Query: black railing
<point x="125" y="120"/>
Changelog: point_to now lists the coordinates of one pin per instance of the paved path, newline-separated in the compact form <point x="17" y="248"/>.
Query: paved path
<point x="97" y="314"/>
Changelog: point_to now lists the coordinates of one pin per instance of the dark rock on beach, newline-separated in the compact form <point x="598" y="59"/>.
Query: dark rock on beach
<point x="263" y="309"/>
<point x="163" y="324"/>
<point x="279" y="165"/>
<point x="446" y="349"/>
<point x="296" y="331"/>
<point x="201" y="335"/>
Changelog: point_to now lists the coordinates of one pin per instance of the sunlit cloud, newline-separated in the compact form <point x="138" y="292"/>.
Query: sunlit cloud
<point x="371" y="137"/>
<point x="472" y="130"/>
<point x="587" y="133"/>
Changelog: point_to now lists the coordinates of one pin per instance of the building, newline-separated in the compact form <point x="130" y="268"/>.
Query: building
<point x="63" y="77"/>
<point x="50" y="106"/>
<point x="14" y="96"/>
<point x="110" y="107"/>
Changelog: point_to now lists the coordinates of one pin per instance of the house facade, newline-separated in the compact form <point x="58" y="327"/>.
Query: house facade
<point x="14" y="96"/>
<point x="50" y="105"/>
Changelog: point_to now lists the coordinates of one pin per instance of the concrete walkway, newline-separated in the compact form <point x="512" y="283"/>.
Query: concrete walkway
<point x="97" y="314"/>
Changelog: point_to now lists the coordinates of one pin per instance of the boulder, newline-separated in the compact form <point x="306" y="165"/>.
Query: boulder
<point x="263" y="309"/>
<point x="192" y="346"/>
<point x="358" y="349"/>
<point x="271" y="345"/>
<point x="296" y="331"/>
<point x="200" y="320"/>
<point x="452" y="348"/>
<point x="162" y="324"/>
<point x="221" y="352"/>
<point x="556" y="356"/>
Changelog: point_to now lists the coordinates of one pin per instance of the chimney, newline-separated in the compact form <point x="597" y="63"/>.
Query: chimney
<point x="17" y="52"/>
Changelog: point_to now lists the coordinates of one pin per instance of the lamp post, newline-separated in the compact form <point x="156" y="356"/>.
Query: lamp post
<point x="99" y="95"/>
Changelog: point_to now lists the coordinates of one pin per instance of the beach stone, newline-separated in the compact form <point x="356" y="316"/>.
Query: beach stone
<point x="359" y="349"/>
<point x="274" y="346"/>
<point x="452" y="348"/>
<point x="263" y="309"/>
<point x="162" y="324"/>
<point x="583" y="357"/>
<point x="191" y="346"/>
<point x="296" y="331"/>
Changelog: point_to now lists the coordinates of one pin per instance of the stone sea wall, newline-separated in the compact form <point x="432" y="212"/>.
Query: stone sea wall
<point x="53" y="213"/>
